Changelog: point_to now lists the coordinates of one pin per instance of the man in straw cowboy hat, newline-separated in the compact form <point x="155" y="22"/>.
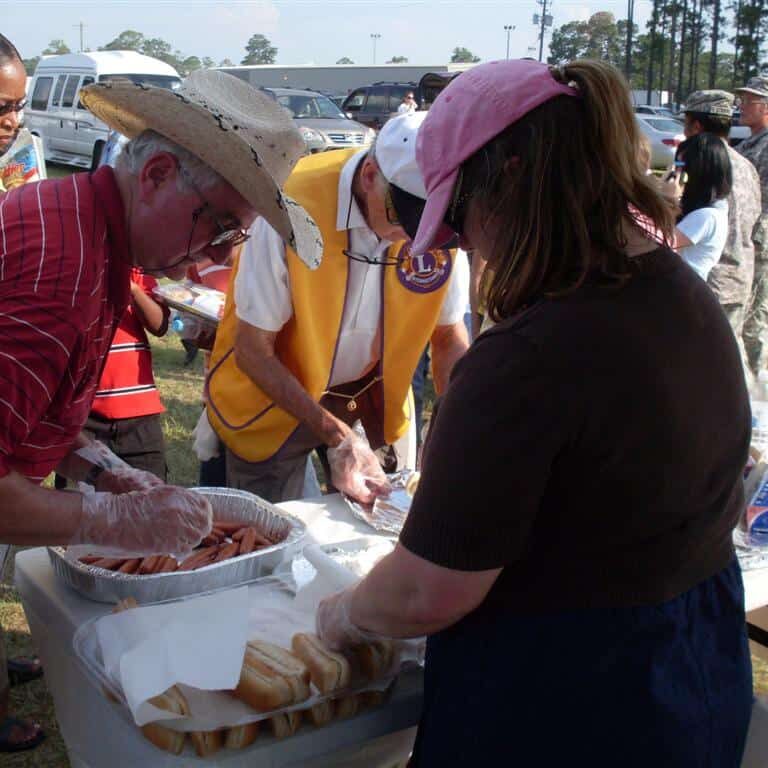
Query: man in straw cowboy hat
<point x="200" y="166"/>
<point x="301" y="356"/>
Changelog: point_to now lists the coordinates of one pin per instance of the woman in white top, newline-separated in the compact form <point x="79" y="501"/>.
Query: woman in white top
<point x="702" y="228"/>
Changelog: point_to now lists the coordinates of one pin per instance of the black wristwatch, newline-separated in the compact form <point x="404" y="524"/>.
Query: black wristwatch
<point x="93" y="475"/>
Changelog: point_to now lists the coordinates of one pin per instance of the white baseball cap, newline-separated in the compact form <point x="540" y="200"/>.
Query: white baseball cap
<point x="395" y="154"/>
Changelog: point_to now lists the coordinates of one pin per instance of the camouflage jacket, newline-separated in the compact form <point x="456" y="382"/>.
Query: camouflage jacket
<point x="731" y="277"/>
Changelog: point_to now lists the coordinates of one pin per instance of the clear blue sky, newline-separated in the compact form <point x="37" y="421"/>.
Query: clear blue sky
<point x="304" y="31"/>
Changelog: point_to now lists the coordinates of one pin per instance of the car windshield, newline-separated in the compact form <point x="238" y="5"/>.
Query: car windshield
<point x="310" y="106"/>
<point x="663" y="124"/>
<point x="159" y="81"/>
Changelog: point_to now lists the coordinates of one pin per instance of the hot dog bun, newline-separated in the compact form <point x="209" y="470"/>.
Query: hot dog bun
<point x="241" y="736"/>
<point x="164" y="738"/>
<point x="374" y="659"/>
<point x="346" y="706"/>
<point x="328" y="671"/>
<point x="207" y="743"/>
<point x="271" y="678"/>
<point x="285" y="724"/>
<point x="320" y="714"/>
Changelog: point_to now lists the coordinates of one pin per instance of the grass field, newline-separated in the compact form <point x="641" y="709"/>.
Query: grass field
<point x="181" y="389"/>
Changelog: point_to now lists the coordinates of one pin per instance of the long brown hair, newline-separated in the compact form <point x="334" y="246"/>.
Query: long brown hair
<point x="560" y="186"/>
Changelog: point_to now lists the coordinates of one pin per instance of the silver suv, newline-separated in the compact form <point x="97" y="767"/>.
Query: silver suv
<point x="321" y="123"/>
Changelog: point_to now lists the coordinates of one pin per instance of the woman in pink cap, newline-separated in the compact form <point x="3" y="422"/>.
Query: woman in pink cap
<point x="568" y="551"/>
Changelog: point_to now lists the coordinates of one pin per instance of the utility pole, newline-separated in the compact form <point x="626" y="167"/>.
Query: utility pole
<point x="375" y="36"/>
<point x="630" y="32"/>
<point x="81" y="27"/>
<point x="544" y="20"/>
<point x="508" y="29"/>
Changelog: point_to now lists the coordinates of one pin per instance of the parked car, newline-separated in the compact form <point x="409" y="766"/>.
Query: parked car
<point x="374" y="104"/>
<point x="70" y="133"/>
<point x="646" y="109"/>
<point x="431" y="86"/>
<point x="664" y="134"/>
<point x="321" y="123"/>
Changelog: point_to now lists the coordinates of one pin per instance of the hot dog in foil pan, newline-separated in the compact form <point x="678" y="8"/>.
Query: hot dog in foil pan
<point x="213" y="566"/>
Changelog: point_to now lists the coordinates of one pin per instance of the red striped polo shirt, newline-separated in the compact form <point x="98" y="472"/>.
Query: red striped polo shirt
<point x="64" y="284"/>
<point x="127" y="386"/>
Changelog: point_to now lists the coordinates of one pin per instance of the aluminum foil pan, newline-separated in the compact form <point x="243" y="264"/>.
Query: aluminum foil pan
<point x="228" y="505"/>
<point x="387" y="515"/>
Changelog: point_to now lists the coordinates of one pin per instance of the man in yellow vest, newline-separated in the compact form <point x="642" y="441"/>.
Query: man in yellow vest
<point x="301" y="355"/>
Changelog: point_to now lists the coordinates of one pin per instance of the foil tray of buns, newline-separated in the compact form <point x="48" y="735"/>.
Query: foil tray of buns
<point x="107" y="586"/>
<point x="281" y="688"/>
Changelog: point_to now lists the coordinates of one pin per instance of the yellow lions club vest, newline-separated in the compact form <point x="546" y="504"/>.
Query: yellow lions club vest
<point x="245" y="418"/>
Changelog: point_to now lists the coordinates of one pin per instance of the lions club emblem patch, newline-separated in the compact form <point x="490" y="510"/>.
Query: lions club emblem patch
<point x="423" y="273"/>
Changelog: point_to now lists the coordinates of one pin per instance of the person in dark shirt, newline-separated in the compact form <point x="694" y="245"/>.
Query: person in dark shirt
<point x="568" y="551"/>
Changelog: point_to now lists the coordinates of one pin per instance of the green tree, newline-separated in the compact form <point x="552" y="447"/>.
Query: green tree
<point x="258" y="50"/>
<point x="207" y="62"/>
<point x="226" y="63"/>
<point x="751" y="23"/>
<point x="398" y="60"/>
<point x="463" y="56"/>
<point x="345" y="60"/>
<point x="157" y="48"/>
<point x="599" y="38"/>
<point x="129" y="40"/>
<point x="30" y="64"/>
<point x="569" y="42"/>
<point x="604" y="41"/>
<point x="189" y="64"/>
<point x="56" y="48"/>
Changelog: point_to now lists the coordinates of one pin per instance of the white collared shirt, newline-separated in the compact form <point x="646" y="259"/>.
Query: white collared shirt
<point x="263" y="292"/>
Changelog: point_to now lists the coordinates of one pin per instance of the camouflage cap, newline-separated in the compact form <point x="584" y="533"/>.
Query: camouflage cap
<point x="710" y="103"/>
<point x="756" y="85"/>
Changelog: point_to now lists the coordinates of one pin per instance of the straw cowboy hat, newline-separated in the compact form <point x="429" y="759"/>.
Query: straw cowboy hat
<point x="242" y="134"/>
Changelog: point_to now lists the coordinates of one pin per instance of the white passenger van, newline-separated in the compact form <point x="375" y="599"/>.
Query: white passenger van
<point x="70" y="134"/>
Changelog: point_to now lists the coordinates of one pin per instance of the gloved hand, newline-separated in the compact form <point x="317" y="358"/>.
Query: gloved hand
<point x="126" y="479"/>
<point x="118" y="476"/>
<point x="334" y="623"/>
<point x="356" y="471"/>
<point x="165" y="519"/>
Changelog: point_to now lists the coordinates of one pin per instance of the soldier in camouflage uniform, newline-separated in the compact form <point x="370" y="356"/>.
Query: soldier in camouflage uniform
<point x="754" y="114"/>
<point x="731" y="278"/>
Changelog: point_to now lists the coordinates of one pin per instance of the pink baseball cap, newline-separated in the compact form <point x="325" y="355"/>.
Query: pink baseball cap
<point x="475" y="107"/>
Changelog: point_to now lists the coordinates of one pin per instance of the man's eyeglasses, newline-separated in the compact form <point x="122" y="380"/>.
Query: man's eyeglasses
<point x="383" y="262"/>
<point x="228" y="236"/>
<point x="12" y="106"/>
<point x="744" y="101"/>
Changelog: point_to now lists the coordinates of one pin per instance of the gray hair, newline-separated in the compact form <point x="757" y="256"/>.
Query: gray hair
<point x="148" y="143"/>
<point x="382" y="179"/>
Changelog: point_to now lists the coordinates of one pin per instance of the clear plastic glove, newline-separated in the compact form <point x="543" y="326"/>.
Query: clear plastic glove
<point x="355" y="470"/>
<point x="126" y="479"/>
<point x="206" y="442"/>
<point x="166" y="519"/>
<point x="335" y="626"/>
